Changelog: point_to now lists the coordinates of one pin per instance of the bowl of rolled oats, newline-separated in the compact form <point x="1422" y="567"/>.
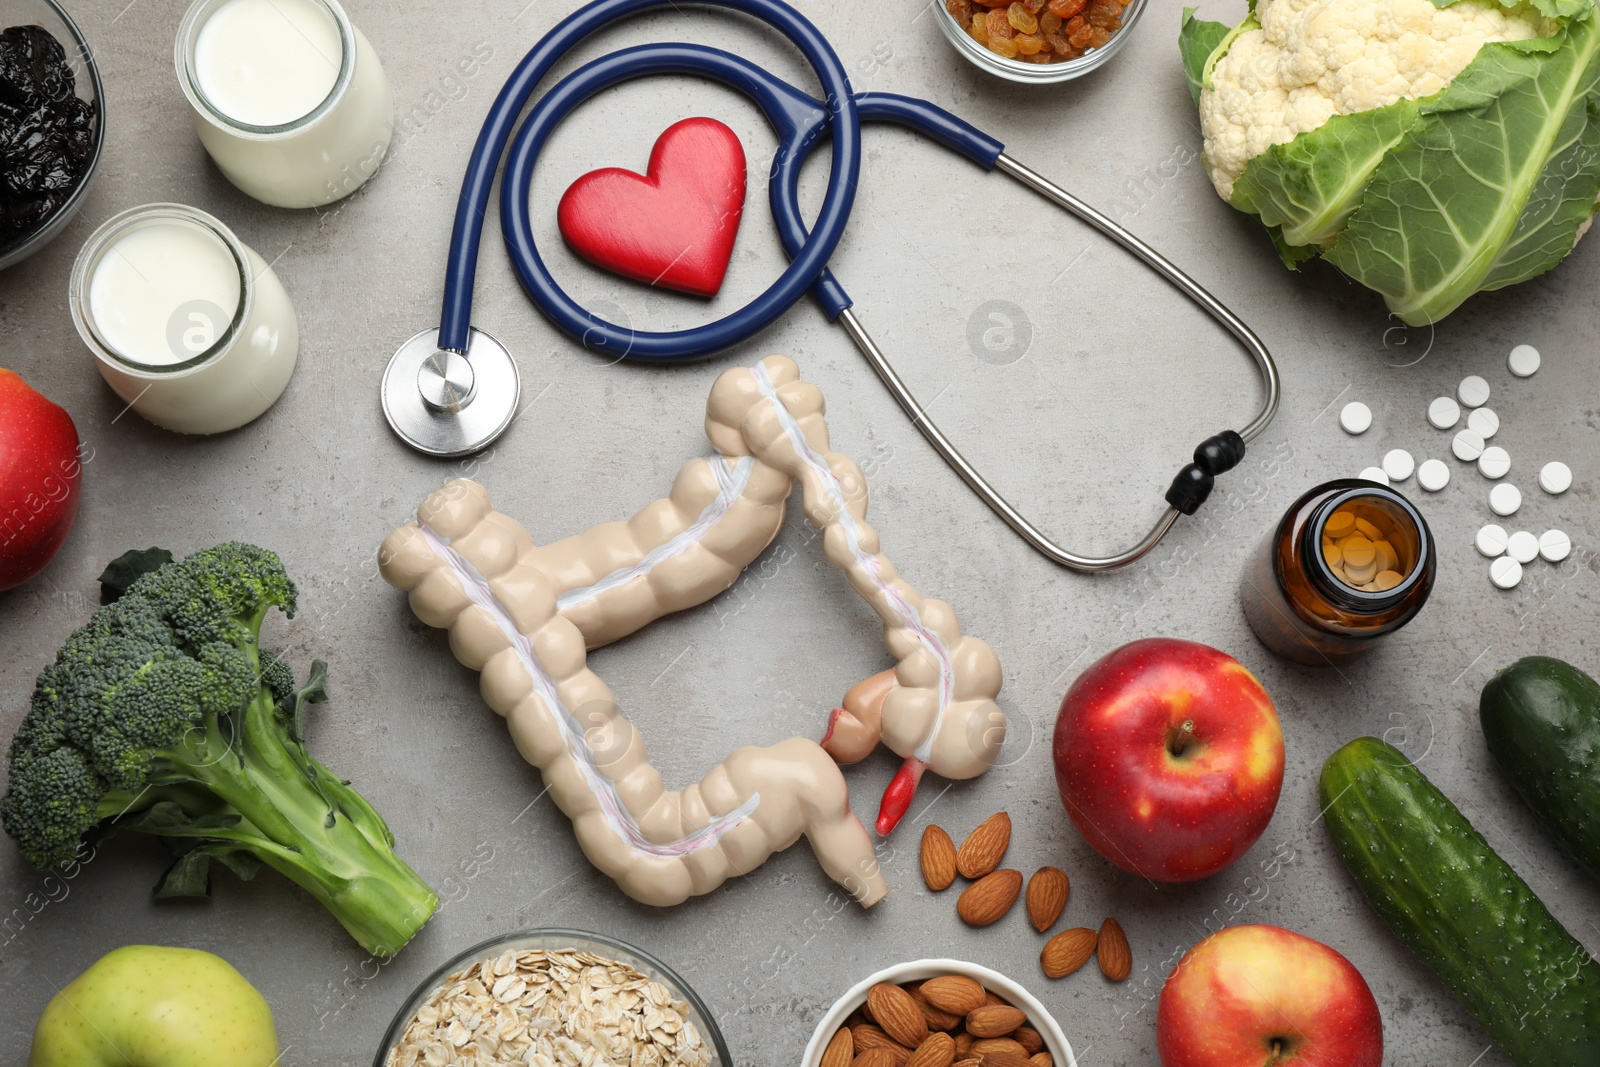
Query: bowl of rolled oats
<point x="550" y="998"/>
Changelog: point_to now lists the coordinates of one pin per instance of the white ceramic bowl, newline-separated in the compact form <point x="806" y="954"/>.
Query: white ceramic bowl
<point x="1055" y="1042"/>
<point x="1015" y="70"/>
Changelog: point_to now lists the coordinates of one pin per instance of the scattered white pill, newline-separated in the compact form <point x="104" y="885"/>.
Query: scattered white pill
<point x="1467" y="445"/>
<point x="1374" y="474"/>
<point x="1495" y="462"/>
<point x="1473" y="391"/>
<point x="1505" y="572"/>
<point x="1444" y="413"/>
<point x="1554" y="545"/>
<point x="1483" y="422"/>
<point x="1356" y="417"/>
<point x="1491" y="541"/>
<point x="1433" y="475"/>
<point x="1505" y="499"/>
<point x="1398" y="464"/>
<point x="1523" y="361"/>
<point x="1555" y="478"/>
<point x="1522" y="546"/>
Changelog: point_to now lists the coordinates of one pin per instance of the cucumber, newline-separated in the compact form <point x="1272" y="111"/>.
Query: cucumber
<point x="1461" y="908"/>
<point x="1541" y="719"/>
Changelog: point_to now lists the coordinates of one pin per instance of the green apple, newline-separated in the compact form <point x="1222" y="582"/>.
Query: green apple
<point x="156" y="1007"/>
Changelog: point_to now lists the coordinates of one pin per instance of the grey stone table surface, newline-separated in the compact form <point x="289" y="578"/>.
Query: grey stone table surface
<point x="1081" y="398"/>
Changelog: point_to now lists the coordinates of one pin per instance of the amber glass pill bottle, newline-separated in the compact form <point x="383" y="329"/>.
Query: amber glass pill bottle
<point x="1351" y="562"/>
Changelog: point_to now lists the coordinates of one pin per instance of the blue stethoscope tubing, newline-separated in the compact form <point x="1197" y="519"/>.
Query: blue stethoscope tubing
<point x="800" y="123"/>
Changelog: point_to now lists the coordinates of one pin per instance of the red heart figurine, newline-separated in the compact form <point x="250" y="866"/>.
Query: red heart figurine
<point x="673" y="226"/>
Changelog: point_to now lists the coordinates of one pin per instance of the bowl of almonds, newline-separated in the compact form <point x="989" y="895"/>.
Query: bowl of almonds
<point x="553" y="997"/>
<point x="938" y="1013"/>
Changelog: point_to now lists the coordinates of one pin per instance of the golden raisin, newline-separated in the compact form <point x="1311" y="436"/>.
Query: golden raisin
<point x="1034" y="6"/>
<point x="1081" y="36"/>
<point x="1103" y="14"/>
<point x="979" y="29"/>
<point x="960" y="10"/>
<point x="1020" y="20"/>
<point x="1099" y="37"/>
<point x="999" y="25"/>
<point x="1059" y="44"/>
<point x="1003" y="46"/>
<point x="1049" y="22"/>
<point x="1029" y="44"/>
<point x="1067" y="8"/>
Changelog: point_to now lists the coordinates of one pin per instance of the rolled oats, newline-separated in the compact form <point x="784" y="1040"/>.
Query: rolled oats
<point x="542" y="1008"/>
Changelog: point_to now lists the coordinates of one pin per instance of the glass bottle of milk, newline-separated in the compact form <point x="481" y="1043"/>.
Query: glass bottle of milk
<point x="289" y="98"/>
<point x="188" y="325"/>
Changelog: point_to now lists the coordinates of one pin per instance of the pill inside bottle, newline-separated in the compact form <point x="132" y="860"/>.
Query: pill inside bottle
<point x="1368" y="547"/>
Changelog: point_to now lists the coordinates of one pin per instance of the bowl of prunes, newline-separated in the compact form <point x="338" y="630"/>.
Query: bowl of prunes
<point x="52" y="124"/>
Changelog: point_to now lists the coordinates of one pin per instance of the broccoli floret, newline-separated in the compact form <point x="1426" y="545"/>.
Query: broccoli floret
<point x="162" y="715"/>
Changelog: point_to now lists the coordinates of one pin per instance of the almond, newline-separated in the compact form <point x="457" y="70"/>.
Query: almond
<point x="1006" y="1059"/>
<point x="954" y="993"/>
<point x="994" y="1020"/>
<point x="866" y="1035"/>
<point x="968" y="1063"/>
<point x="874" y="1057"/>
<point x="1042" y="1059"/>
<point x="964" y="1042"/>
<point x="990" y="997"/>
<point x="1067" y="951"/>
<point x="938" y="1018"/>
<point x="840" y="1051"/>
<point x="938" y="858"/>
<point x="1047" y="897"/>
<point x="984" y="848"/>
<point x="898" y="1014"/>
<point x="991" y="1047"/>
<point x="1116" y="957"/>
<point x="989" y="898"/>
<point x="1030" y="1039"/>
<point x="939" y="1050"/>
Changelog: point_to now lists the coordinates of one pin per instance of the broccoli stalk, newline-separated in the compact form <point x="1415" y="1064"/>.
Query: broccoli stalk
<point x="164" y="716"/>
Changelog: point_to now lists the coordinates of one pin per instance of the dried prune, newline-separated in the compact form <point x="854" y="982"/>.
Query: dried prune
<point x="46" y="132"/>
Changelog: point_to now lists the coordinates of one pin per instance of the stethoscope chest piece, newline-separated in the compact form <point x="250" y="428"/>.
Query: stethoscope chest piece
<point x="449" y="403"/>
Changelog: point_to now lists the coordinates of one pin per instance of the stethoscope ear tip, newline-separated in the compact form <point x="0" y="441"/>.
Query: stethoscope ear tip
<point x="448" y="403"/>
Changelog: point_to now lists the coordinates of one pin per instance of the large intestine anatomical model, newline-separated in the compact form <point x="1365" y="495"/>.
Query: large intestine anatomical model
<point x="525" y="615"/>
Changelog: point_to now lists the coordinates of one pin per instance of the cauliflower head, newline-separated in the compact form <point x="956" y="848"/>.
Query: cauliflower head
<point x="1429" y="149"/>
<point x="1309" y="60"/>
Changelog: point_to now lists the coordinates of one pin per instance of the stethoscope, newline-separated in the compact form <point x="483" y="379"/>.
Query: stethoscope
<point x="454" y="390"/>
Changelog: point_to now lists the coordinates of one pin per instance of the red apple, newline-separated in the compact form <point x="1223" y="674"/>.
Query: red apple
<point x="1263" y="996"/>
<point x="39" y="476"/>
<point x="1169" y="758"/>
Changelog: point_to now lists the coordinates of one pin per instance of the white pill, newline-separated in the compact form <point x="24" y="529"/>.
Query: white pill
<point x="1492" y="540"/>
<point x="1374" y="474"/>
<point x="1467" y="445"/>
<point x="1495" y="462"/>
<point x="1505" y="499"/>
<point x="1523" y="361"/>
<point x="1444" y="413"/>
<point x="1484" y="422"/>
<point x="1356" y="417"/>
<point x="1473" y="391"/>
<point x="1555" y="478"/>
<point x="1554" y="545"/>
<point x="1522" y="546"/>
<point x="1433" y="475"/>
<point x="1505" y="572"/>
<point x="1398" y="464"/>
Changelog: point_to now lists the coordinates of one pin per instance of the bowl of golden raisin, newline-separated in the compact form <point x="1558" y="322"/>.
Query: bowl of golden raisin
<point x="1038" y="40"/>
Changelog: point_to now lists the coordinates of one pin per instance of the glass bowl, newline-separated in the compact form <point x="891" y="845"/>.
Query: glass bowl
<point x="1015" y="70"/>
<point x="86" y="74"/>
<point x="562" y="940"/>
